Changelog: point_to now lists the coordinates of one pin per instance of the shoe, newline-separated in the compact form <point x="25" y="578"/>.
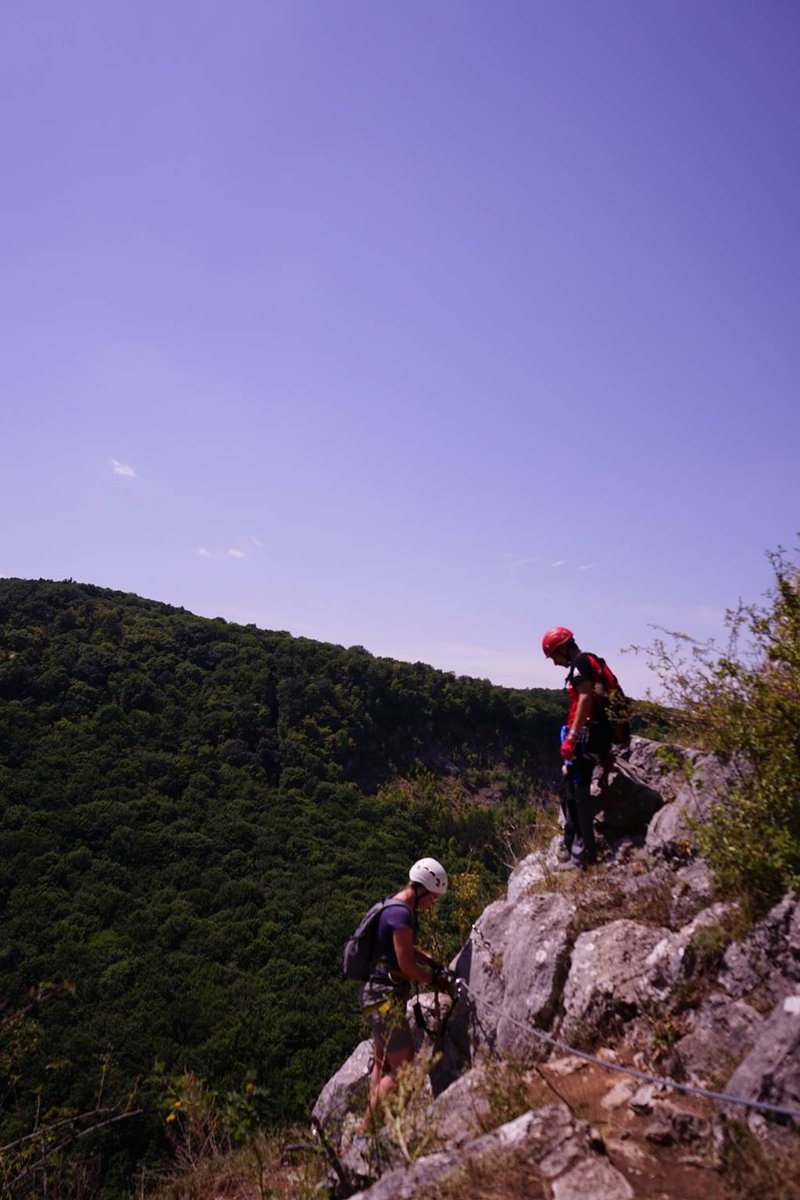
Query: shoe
<point x="570" y="864"/>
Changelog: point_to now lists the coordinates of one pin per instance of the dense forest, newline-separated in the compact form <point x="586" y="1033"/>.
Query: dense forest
<point x="193" y="814"/>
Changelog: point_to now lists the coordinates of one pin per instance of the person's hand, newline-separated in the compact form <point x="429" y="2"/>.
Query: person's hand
<point x="568" y="746"/>
<point x="440" y="979"/>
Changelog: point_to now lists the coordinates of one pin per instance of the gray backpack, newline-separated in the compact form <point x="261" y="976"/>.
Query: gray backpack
<point x="357" y="955"/>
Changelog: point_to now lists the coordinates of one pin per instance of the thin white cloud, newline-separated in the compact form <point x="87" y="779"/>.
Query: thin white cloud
<point x="585" y="566"/>
<point x="521" y="560"/>
<point x="559" y="562"/>
<point x="121" y="468"/>
<point x="232" y="552"/>
<point x="255" y="542"/>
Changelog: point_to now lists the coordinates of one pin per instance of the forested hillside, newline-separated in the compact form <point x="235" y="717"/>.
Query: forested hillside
<point x="192" y="816"/>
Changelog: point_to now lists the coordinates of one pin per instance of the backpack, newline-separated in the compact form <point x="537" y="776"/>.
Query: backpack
<point x="616" y="706"/>
<point x="357" y="955"/>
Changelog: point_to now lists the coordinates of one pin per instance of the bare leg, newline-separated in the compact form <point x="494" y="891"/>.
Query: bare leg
<point x="385" y="1066"/>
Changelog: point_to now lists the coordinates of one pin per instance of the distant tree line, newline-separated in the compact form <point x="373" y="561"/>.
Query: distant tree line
<point x="193" y="815"/>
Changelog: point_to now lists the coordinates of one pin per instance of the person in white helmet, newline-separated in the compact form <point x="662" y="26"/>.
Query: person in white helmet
<point x="396" y="963"/>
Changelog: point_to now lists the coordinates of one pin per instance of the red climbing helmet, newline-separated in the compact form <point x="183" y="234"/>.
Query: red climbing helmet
<point x="554" y="638"/>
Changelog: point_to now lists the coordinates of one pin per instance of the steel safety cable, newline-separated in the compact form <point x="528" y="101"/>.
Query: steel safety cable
<point x="660" y="1080"/>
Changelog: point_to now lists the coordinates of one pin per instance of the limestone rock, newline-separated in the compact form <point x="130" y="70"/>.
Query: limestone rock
<point x="669" y="833"/>
<point x="688" y="781"/>
<point x="514" y="965"/>
<point x="533" y="871"/>
<point x="480" y="964"/>
<point x="719" y="1033"/>
<point x="593" y="1177"/>
<point x="462" y="1112"/>
<point x="771" y="1071"/>
<point x="641" y="1101"/>
<point x="526" y="974"/>
<point x="472" y="1025"/>
<point x="355" y="1154"/>
<point x="549" y="1140"/>
<point x="766" y="964"/>
<point x="672" y="960"/>
<point x="692" y="891"/>
<point x="628" y="803"/>
<point x="534" y="968"/>
<point x="344" y="1091"/>
<point x="603" y="985"/>
<point x="667" y="768"/>
<point x="673" y="1125"/>
<point x="620" y="1093"/>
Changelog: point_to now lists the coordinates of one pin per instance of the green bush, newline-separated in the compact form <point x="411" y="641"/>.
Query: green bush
<point x="744" y="703"/>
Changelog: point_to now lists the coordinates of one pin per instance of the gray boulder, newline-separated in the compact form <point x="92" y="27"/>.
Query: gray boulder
<point x="673" y="1125"/>
<point x="692" y="890"/>
<point x="719" y="1033"/>
<point x="549" y="1142"/>
<point x="535" y="966"/>
<point x="534" y="871"/>
<point x="346" y="1090"/>
<point x="628" y="803"/>
<point x="603" y="987"/>
<point x="513" y="967"/>
<point x="670" y="834"/>
<point x="463" y="1112"/>
<point x="673" y="961"/>
<point x="473" y="1024"/>
<point x="688" y="782"/>
<point x="771" y="1071"/>
<point x="765" y="966"/>
<point x="667" y="768"/>
<point x="662" y="768"/>
<point x="594" y="1177"/>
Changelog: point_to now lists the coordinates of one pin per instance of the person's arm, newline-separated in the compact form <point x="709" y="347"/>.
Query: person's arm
<point x="408" y="955"/>
<point x="423" y="956"/>
<point x="583" y="711"/>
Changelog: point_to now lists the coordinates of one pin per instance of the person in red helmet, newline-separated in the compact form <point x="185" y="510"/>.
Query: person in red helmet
<point x="586" y="742"/>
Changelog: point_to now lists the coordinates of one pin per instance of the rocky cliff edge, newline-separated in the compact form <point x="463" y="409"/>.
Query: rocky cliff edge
<point x="613" y="1034"/>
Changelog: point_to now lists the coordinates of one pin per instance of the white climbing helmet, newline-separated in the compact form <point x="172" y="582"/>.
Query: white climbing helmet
<point x="431" y="874"/>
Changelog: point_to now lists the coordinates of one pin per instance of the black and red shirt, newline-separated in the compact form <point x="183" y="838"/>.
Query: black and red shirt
<point x="582" y="671"/>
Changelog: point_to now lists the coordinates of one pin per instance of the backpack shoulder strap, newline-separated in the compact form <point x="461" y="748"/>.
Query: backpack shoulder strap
<point x="390" y="900"/>
<point x="603" y="673"/>
<point x="597" y="667"/>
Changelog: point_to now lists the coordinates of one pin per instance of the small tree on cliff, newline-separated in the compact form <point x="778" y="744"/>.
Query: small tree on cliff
<point x="746" y="702"/>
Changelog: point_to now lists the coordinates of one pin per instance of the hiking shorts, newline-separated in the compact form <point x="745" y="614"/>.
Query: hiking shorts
<point x="389" y="1026"/>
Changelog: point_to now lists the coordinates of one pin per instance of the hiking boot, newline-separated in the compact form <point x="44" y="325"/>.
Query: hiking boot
<point x="570" y="863"/>
<point x="578" y="862"/>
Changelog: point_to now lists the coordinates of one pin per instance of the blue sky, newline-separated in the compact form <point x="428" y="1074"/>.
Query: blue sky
<point x="419" y="326"/>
